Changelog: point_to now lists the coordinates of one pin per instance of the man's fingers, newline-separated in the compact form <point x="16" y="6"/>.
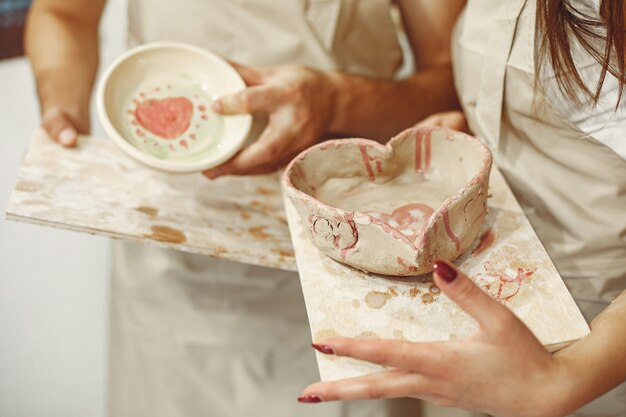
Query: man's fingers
<point x="388" y="384"/>
<point x="251" y="76"/>
<point x="426" y="358"/>
<point x="250" y="160"/>
<point x="251" y="100"/>
<point x="59" y="127"/>
<point x="267" y="168"/>
<point x="268" y="149"/>
<point x="489" y="313"/>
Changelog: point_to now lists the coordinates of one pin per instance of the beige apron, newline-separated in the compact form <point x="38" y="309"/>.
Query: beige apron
<point x="196" y="336"/>
<point x="571" y="187"/>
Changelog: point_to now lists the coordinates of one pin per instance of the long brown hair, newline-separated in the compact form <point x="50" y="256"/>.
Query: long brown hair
<point x="602" y="37"/>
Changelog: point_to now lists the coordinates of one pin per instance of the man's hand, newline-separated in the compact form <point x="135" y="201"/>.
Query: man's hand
<point x="299" y="104"/>
<point x="64" y="69"/>
<point x="64" y="127"/>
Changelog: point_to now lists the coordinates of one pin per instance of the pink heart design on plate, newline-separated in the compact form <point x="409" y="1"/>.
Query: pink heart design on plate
<point x="167" y="118"/>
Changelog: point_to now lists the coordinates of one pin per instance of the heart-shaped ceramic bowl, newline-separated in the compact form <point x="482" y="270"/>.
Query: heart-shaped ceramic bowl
<point x="392" y="209"/>
<point x="154" y="102"/>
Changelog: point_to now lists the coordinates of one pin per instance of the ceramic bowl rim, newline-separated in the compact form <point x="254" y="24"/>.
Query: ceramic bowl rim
<point x="169" y="166"/>
<point x="477" y="179"/>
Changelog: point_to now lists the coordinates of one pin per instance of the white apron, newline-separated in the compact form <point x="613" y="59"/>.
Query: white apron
<point x="197" y="336"/>
<point x="571" y="186"/>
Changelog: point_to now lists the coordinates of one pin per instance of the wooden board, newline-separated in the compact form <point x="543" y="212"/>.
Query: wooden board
<point x="97" y="189"/>
<point x="508" y="262"/>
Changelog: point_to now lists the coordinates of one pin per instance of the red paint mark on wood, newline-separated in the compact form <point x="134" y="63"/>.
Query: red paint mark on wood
<point x="498" y="281"/>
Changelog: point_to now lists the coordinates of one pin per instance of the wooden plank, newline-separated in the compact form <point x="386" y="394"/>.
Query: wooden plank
<point x="509" y="262"/>
<point x="98" y="189"/>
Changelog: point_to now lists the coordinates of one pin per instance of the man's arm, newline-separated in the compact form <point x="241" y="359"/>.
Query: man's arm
<point x="379" y="109"/>
<point x="305" y="105"/>
<point x="62" y="44"/>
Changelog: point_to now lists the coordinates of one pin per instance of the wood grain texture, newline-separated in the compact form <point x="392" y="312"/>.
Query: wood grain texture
<point x="97" y="189"/>
<point x="507" y="261"/>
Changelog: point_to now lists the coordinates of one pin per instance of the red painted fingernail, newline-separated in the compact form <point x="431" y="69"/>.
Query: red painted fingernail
<point x="323" y="348"/>
<point x="445" y="271"/>
<point x="309" y="399"/>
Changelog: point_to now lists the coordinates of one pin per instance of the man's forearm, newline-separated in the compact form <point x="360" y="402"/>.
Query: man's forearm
<point x="64" y="54"/>
<point x="379" y="109"/>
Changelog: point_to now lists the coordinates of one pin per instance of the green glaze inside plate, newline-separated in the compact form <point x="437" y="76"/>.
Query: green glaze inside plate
<point x="172" y="120"/>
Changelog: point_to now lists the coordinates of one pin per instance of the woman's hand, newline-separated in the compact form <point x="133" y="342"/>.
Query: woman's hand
<point x="454" y="120"/>
<point x="502" y="370"/>
<point x="299" y="103"/>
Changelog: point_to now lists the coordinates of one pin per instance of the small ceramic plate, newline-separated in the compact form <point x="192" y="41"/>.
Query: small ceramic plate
<point x="155" y="103"/>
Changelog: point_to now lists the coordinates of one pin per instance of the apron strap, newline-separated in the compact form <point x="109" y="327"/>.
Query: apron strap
<point x="491" y="92"/>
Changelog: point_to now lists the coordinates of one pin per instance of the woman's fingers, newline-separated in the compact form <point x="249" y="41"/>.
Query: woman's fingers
<point x="388" y="384"/>
<point x="59" y="127"/>
<point x="427" y="358"/>
<point x="490" y="314"/>
<point x="451" y="119"/>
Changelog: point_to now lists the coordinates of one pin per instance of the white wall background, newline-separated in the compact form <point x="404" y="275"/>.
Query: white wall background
<point x="54" y="285"/>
